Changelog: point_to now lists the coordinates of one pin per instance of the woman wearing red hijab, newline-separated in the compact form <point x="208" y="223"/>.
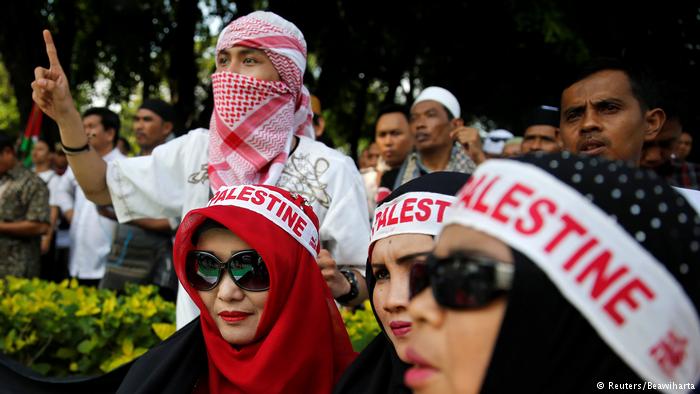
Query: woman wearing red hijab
<point x="268" y="323"/>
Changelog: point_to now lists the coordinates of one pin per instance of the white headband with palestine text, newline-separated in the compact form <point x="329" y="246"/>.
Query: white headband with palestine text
<point x="410" y="213"/>
<point x="637" y="307"/>
<point x="275" y="207"/>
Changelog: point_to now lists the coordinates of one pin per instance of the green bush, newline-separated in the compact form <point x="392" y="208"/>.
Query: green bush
<point x="361" y="324"/>
<point x="61" y="329"/>
<point x="65" y="329"/>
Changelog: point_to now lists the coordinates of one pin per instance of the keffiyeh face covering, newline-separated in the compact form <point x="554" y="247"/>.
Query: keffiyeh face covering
<point x="254" y="121"/>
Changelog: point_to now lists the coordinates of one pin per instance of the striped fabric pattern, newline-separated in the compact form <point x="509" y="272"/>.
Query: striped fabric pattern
<point x="253" y="121"/>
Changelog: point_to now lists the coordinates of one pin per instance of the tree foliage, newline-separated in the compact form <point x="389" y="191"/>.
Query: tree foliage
<point x="500" y="57"/>
<point x="9" y="117"/>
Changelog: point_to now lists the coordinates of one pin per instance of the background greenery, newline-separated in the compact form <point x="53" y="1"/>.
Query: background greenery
<point x="361" y="324"/>
<point x="62" y="329"/>
<point x="67" y="329"/>
<point x="500" y="57"/>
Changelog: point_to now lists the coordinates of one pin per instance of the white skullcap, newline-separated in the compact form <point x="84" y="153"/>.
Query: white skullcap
<point x="496" y="140"/>
<point x="442" y="96"/>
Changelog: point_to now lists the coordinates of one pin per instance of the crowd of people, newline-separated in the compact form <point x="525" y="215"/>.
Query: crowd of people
<point x="77" y="238"/>
<point x="553" y="262"/>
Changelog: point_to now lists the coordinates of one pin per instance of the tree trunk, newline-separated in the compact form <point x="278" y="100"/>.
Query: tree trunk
<point x="183" y="66"/>
<point x="358" y="120"/>
<point x="22" y="48"/>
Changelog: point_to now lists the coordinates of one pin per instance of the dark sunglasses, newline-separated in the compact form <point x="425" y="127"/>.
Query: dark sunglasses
<point x="462" y="281"/>
<point x="247" y="269"/>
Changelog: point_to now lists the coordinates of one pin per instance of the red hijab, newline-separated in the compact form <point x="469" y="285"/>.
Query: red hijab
<point x="303" y="345"/>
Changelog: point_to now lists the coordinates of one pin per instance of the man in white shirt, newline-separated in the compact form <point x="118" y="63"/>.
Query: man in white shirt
<point x="42" y="153"/>
<point x="435" y="121"/>
<point x="258" y="134"/>
<point x="142" y="249"/>
<point x="91" y="233"/>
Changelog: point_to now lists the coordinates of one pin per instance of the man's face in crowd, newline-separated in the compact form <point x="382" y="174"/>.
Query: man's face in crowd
<point x="601" y="117"/>
<point x="394" y="138"/>
<point x="369" y="156"/>
<point x="98" y="138"/>
<point x="658" y="152"/>
<point x="541" y="137"/>
<point x="121" y="145"/>
<point x="7" y="160"/>
<point x="247" y="61"/>
<point x="372" y="155"/>
<point x="41" y="153"/>
<point x="60" y="161"/>
<point x="511" y="150"/>
<point x="150" y="128"/>
<point x="683" y="145"/>
<point x="431" y="126"/>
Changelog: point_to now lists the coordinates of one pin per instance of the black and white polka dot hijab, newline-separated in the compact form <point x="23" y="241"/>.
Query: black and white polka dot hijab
<point x="607" y="283"/>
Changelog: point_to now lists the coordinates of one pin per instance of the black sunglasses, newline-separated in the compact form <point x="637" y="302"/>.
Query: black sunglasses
<point x="247" y="269"/>
<point x="462" y="281"/>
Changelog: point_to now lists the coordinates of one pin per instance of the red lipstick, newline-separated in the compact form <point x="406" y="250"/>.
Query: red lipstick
<point x="233" y="316"/>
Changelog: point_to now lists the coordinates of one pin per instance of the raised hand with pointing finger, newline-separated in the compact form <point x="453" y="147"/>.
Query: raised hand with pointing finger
<point x="50" y="91"/>
<point x="50" y="88"/>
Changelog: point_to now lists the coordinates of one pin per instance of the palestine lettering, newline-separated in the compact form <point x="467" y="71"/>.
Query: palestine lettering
<point x="265" y="200"/>
<point x="410" y="210"/>
<point x="589" y="260"/>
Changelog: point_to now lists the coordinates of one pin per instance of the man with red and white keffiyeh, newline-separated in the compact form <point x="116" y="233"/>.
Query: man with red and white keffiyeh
<point x="260" y="132"/>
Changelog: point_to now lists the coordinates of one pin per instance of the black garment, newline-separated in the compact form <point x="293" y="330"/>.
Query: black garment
<point x="378" y="368"/>
<point x="388" y="180"/>
<point x="173" y="366"/>
<point x="545" y="345"/>
<point x="650" y="195"/>
<point x="62" y="254"/>
<point x="16" y="378"/>
<point x="89" y="282"/>
<point x="50" y="270"/>
<point x="443" y="182"/>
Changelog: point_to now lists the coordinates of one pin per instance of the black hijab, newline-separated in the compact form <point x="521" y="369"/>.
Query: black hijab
<point x="174" y="366"/>
<point x="378" y="369"/>
<point x="545" y="343"/>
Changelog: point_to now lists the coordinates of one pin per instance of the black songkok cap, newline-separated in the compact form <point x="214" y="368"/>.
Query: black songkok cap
<point x="160" y="107"/>
<point x="544" y="115"/>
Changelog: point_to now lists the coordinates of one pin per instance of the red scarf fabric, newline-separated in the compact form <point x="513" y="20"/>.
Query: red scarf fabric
<point x="253" y="121"/>
<point x="303" y="345"/>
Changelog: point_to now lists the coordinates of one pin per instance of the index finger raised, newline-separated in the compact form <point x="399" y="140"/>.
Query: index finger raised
<point x="54" y="63"/>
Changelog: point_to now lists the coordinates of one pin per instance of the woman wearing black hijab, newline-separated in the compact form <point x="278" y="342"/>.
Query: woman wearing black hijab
<point x="402" y="234"/>
<point x="559" y="274"/>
